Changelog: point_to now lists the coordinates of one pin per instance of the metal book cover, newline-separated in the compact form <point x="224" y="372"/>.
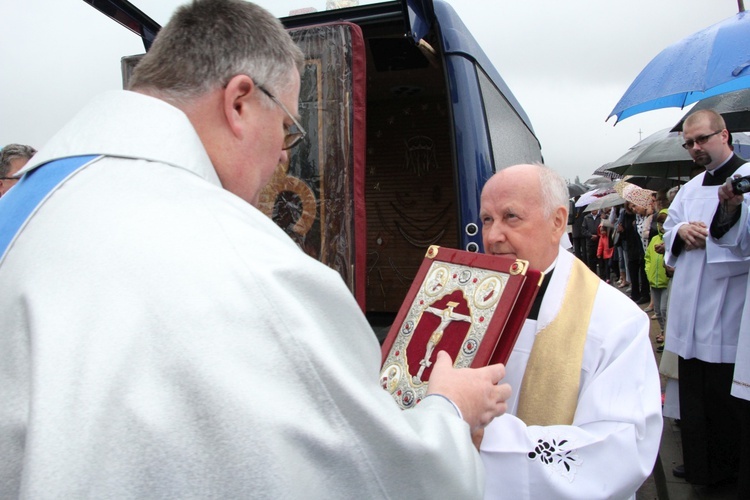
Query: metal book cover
<point x="470" y="305"/>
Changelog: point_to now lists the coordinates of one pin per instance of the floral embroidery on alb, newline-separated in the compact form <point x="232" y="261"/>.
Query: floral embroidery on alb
<point x="558" y="455"/>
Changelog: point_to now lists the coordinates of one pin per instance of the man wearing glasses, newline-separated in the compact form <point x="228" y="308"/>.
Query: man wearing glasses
<point x="162" y="338"/>
<point x="12" y="158"/>
<point x="705" y="308"/>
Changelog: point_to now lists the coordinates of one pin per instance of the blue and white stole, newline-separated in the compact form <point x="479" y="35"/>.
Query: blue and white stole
<point x="20" y="203"/>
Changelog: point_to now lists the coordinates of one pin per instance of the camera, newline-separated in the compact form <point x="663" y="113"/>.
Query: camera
<point x="741" y="185"/>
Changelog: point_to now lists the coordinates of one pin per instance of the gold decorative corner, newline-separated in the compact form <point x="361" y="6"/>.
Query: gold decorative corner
<point x="541" y="279"/>
<point x="432" y="251"/>
<point x="519" y="267"/>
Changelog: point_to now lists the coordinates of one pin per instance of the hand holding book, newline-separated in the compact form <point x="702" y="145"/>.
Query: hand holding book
<point x="476" y="392"/>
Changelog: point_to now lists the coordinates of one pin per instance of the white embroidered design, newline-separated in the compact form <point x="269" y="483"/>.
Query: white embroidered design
<point x="563" y="459"/>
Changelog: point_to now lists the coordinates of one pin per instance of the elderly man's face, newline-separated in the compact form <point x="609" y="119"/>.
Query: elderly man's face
<point x="513" y="219"/>
<point x="16" y="164"/>
<point x="714" y="150"/>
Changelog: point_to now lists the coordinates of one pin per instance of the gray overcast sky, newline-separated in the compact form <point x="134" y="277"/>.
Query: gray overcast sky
<point x="568" y="62"/>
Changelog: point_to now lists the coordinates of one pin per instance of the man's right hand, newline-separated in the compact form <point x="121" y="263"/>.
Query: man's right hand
<point x="726" y="195"/>
<point x="474" y="390"/>
<point x="694" y="235"/>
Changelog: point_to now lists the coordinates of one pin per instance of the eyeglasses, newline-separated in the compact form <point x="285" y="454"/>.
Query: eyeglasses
<point x="701" y="140"/>
<point x="292" y="138"/>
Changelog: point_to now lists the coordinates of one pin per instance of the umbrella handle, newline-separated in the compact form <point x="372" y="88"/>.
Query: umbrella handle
<point x="739" y="69"/>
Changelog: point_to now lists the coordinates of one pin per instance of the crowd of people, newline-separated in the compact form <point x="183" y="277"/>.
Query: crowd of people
<point x="623" y="245"/>
<point x="166" y="339"/>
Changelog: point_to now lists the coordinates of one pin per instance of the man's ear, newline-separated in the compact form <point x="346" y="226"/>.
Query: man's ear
<point x="238" y="95"/>
<point x="727" y="136"/>
<point x="560" y="220"/>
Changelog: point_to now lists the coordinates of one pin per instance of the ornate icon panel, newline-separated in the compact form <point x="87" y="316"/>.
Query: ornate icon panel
<point x="450" y="312"/>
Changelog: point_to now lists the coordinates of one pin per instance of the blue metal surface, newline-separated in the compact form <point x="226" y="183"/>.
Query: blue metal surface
<point x="419" y="13"/>
<point x="474" y="163"/>
<point x="471" y="140"/>
<point x="709" y="62"/>
<point x="457" y="41"/>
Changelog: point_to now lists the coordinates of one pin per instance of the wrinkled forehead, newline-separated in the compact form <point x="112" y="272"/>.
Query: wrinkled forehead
<point x="511" y="193"/>
<point x="512" y="179"/>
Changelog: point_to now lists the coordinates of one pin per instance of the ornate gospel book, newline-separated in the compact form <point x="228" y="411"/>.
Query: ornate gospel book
<point x="470" y="305"/>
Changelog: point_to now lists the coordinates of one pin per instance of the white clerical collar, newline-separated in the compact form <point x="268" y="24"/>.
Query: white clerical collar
<point x="552" y="266"/>
<point x="731" y="153"/>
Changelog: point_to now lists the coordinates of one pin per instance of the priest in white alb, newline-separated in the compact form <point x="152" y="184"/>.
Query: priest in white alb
<point x="705" y="305"/>
<point x="584" y="420"/>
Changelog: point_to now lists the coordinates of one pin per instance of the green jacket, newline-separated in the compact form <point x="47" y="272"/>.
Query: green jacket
<point x="657" y="275"/>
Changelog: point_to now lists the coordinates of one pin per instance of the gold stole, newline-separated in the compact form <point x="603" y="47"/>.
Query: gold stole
<point x="549" y="391"/>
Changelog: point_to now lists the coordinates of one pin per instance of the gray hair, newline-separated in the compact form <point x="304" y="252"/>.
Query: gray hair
<point x="554" y="190"/>
<point x="208" y="42"/>
<point x="11" y="152"/>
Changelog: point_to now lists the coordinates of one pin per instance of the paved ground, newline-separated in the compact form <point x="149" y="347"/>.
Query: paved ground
<point x="662" y="485"/>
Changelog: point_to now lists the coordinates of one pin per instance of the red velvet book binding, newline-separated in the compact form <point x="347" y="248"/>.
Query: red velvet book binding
<point x="470" y="305"/>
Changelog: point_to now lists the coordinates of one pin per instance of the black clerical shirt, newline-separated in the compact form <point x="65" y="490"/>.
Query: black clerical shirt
<point x="534" y="312"/>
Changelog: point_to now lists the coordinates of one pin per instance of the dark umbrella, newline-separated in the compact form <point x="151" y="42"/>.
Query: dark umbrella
<point x="656" y="183"/>
<point x="710" y="62"/>
<point x="608" y="200"/>
<point x="661" y="155"/>
<point x="599" y="182"/>
<point x="734" y="107"/>
<point x="605" y="173"/>
<point x="576" y="189"/>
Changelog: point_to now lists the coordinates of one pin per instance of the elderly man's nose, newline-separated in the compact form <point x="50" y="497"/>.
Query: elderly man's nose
<point x="495" y="233"/>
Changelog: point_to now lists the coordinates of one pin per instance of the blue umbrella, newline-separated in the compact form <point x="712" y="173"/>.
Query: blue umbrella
<point x="710" y="62"/>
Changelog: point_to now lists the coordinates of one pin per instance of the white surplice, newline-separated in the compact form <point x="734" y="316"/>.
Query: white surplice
<point x="610" y="448"/>
<point x="738" y="240"/>
<point x="708" y="287"/>
<point x="161" y="338"/>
